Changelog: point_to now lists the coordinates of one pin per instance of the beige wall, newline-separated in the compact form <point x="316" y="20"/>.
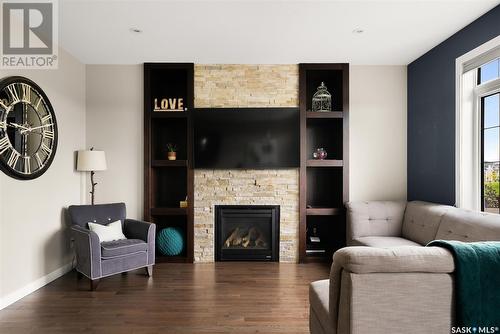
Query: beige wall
<point x="115" y="125"/>
<point x="33" y="239"/>
<point x="377" y="137"/>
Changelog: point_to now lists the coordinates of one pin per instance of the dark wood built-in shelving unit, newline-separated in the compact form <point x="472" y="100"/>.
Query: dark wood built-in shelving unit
<point x="324" y="184"/>
<point x="168" y="182"/>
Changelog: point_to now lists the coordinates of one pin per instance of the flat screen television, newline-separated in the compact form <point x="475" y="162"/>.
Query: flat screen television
<point x="246" y="138"/>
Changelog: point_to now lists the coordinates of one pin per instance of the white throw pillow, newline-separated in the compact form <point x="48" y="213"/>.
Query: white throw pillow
<point x="110" y="232"/>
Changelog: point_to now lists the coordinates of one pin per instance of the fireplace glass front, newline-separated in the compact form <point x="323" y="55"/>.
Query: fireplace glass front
<point x="247" y="233"/>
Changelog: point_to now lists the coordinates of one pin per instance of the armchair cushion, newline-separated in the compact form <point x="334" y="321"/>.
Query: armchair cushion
<point x="111" y="249"/>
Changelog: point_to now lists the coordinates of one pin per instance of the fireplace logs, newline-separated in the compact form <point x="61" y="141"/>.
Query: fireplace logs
<point x="251" y="238"/>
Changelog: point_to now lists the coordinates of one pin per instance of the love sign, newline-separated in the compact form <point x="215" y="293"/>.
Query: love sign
<point x="169" y="104"/>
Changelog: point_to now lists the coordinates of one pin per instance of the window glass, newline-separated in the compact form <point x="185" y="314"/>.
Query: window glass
<point x="491" y="115"/>
<point x="491" y="145"/>
<point x="490" y="153"/>
<point x="489" y="71"/>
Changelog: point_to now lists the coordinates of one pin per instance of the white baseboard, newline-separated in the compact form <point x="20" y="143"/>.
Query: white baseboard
<point x="13" y="297"/>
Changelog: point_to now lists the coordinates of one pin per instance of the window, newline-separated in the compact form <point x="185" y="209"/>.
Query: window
<point x="490" y="152"/>
<point x="477" y="128"/>
<point x="489" y="107"/>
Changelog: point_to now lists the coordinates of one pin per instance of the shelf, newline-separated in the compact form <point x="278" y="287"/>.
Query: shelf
<point x="169" y="114"/>
<point x="321" y="258"/>
<point x="323" y="211"/>
<point x="169" y="163"/>
<point x="324" y="114"/>
<point x="316" y="252"/>
<point x="168" y="211"/>
<point x="171" y="259"/>
<point x="167" y="182"/>
<point x="325" y="163"/>
<point x="324" y="185"/>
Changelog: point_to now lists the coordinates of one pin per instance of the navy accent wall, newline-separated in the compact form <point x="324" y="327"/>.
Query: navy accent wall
<point x="431" y="111"/>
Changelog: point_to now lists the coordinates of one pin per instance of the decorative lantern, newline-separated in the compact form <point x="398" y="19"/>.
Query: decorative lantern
<point x="322" y="100"/>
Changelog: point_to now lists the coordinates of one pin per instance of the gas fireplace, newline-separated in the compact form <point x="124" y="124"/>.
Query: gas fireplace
<point x="247" y="232"/>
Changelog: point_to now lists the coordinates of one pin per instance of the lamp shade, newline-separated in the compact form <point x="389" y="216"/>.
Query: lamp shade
<point x="91" y="161"/>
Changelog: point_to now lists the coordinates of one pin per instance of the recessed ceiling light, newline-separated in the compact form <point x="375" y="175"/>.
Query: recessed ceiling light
<point x="136" y="30"/>
<point x="358" y="31"/>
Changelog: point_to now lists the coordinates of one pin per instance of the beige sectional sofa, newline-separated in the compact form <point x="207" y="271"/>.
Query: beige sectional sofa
<point x="387" y="282"/>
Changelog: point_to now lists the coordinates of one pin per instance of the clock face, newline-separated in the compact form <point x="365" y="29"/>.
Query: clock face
<point x="28" y="129"/>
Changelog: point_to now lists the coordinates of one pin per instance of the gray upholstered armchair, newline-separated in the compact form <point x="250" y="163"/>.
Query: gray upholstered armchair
<point x="95" y="259"/>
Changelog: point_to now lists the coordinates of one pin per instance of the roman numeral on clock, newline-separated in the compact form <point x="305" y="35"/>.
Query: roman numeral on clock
<point x="4" y="144"/>
<point x="26" y="92"/>
<point x="14" y="156"/>
<point x="38" y="101"/>
<point x="48" y="134"/>
<point x="3" y="124"/>
<point x="27" y="165"/>
<point x="14" y="95"/>
<point x="47" y="119"/>
<point x="46" y="149"/>
<point x="38" y="160"/>
<point x="2" y="104"/>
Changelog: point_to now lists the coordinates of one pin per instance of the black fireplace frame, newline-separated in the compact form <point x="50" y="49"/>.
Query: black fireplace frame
<point x="271" y="255"/>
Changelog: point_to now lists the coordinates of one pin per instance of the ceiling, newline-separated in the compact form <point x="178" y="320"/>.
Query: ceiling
<point x="260" y="31"/>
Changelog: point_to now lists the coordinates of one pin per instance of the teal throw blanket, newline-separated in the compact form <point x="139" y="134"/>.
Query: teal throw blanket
<point x="477" y="281"/>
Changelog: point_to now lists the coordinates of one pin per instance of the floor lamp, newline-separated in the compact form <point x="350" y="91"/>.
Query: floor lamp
<point x="91" y="161"/>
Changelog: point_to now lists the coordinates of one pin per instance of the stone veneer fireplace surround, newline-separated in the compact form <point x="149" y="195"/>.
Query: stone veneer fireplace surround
<point x="232" y="86"/>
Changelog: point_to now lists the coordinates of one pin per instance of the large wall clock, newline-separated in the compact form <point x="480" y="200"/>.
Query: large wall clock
<point x="28" y="129"/>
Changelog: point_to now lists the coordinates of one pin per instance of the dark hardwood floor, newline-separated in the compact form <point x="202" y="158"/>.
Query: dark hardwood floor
<point x="242" y="297"/>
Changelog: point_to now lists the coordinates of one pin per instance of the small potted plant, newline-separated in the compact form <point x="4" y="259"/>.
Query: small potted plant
<point x="171" y="151"/>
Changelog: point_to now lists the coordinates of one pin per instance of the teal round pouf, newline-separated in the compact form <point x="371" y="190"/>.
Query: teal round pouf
<point x="170" y="241"/>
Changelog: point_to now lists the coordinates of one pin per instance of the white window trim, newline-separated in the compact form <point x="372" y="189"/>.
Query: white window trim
<point x="467" y="190"/>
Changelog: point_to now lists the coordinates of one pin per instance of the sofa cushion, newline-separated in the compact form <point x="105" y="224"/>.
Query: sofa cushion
<point x="319" y="293"/>
<point x="375" y="218"/>
<point x="469" y="226"/>
<point x="422" y="219"/>
<point x="122" y="247"/>
<point x="383" y="242"/>
<point x="363" y="260"/>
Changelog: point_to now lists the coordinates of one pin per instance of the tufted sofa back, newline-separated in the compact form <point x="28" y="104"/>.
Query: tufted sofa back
<point x="374" y="218"/>
<point x="469" y="226"/>
<point x="422" y="220"/>
<point x="419" y="221"/>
